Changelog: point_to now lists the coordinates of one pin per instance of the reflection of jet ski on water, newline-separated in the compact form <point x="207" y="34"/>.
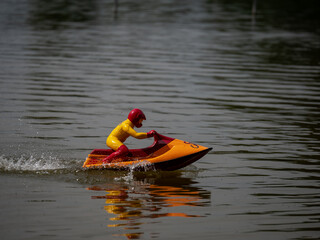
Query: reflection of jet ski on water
<point x="164" y="154"/>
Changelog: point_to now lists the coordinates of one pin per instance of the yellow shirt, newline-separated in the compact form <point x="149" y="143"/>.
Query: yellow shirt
<point x="121" y="133"/>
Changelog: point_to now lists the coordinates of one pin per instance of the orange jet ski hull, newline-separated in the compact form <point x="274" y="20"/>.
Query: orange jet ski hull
<point x="165" y="154"/>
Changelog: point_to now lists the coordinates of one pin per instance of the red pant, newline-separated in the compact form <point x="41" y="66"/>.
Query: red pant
<point x="122" y="151"/>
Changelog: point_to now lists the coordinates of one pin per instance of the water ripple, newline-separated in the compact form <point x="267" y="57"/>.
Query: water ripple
<point x="206" y="72"/>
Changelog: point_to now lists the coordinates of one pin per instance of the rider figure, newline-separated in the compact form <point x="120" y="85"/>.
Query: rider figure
<point x="123" y="131"/>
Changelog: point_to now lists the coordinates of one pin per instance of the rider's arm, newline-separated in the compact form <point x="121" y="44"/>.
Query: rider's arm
<point x="133" y="133"/>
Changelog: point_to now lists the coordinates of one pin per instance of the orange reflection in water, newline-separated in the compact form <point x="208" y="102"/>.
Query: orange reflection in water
<point x="146" y="201"/>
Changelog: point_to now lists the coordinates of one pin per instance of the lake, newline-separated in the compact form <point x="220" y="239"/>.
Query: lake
<point x="241" y="77"/>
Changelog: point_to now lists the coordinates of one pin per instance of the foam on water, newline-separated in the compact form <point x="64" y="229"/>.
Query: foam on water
<point x="140" y="166"/>
<point x="31" y="163"/>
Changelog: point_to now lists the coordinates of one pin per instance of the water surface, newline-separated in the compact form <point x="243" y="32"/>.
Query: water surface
<point x="208" y="72"/>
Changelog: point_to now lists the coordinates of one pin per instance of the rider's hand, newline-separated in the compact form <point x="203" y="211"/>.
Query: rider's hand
<point x="151" y="133"/>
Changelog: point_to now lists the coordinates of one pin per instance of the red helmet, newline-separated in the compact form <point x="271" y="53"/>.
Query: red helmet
<point x="135" y="116"/>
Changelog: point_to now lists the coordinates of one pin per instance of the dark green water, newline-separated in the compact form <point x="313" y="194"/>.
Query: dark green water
<point x="208" y="72"/>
